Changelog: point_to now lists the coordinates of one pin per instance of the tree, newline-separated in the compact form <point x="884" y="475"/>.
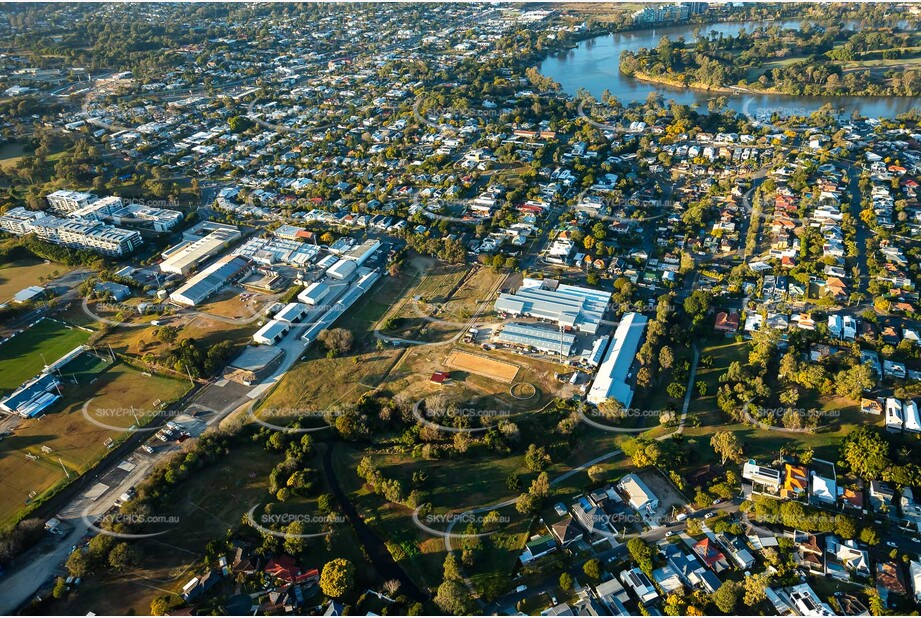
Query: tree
<point x="452" y="598"/>
<point x="754" y="589"/>
<point x="77" y="564"/>
<point x="666" y="357"/>
<point x="853" y="382"/>
<point x="536" y="458"/>
<point x="336" y="340"/>
<point x="869" y="536"/>
<point x="451" y="568"/>
<point x="540" y="487"/>
<point x="60" y="588"/>
<point x="641" y="554"/>
<point x="592" y="569"/>
<point x="164" y="604"/>
<point x="726" y="596"/>
<point x="596" y="473"/>
<point x="294" y="537"/>
<point x="566" y="582"/>
<point x="866" y="453"/>
<point x="845" y="527"/>
<point x="728" y="446"/>
<point x="337" y="578"/>
<point x="239" y="124"/>
<point x="694" y="526"/>
<point x="122" y="557"/>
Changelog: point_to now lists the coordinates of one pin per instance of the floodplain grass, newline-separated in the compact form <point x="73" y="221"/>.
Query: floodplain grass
<point x="24" y="355"/>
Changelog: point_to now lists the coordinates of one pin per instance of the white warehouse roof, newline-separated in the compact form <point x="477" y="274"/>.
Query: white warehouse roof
<point x="611" y="380"/>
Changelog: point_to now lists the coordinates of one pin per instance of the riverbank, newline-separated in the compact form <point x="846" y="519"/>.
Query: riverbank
<point x="594" y="66"/>
<point x="680" y="83"/>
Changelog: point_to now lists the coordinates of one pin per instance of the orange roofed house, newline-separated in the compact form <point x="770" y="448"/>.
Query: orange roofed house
<point x="795" y="482"/>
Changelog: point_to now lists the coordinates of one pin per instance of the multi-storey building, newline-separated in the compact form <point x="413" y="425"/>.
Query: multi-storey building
<point x="64" y="201"/>
<point x="91" y="235"/>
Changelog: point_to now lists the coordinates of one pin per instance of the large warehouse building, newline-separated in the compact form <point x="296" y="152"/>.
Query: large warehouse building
<point x="568" y="306"/>
<point x="611" y="382"/>
<point x="542" y="337"/>
<point x="188" y="255"/>
<point x="210" y="280"/>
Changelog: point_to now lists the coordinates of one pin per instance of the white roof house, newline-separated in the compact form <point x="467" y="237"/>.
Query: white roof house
<point x="911" y="416"/>
<point x="638" y="494"/>
<point x="292" y="312"/>
<point x="914" y="568"/>
<point x="824" y="489"/>
<point x="568" y="306"/>
<point x="185" y="257"/>
<point x="314" y="293"/>
<point x="611" y="381"/>
<point x="894" y="418"/>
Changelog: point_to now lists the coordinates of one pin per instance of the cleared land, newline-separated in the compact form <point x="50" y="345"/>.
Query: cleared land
<point x="482" y="365"/>
<point x="118" y="393"/>
<point x="24" y="355"/>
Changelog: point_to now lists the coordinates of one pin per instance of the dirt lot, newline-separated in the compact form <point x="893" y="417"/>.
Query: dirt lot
<point x="482" y="365"/>
<point x="666" y="492"/>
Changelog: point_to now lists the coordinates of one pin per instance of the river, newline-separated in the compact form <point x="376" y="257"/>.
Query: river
<point x="594" y="65"/>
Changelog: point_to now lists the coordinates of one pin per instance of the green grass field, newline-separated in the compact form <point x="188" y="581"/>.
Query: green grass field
<point x="25" y="355"/>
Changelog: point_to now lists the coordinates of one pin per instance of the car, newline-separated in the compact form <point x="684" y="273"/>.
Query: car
<point x="709" y="515"/>
<point x="669" y="533"/>
<point x="521" y="588"/>
<point x="891" y="544"/>
<point x="717" y="501"/>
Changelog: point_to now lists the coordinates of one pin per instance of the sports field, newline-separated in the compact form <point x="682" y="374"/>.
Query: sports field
<point x="481" y="365"/>
<point x="117" y="394"/>
<point x="24" y="355"/>
<point x="17" y="275"/>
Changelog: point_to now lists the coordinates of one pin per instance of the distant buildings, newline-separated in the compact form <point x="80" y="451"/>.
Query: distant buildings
<point x="541" y="337"/>
<point x="92" y="235"/>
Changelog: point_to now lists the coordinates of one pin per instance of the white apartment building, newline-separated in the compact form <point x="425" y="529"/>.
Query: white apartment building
<point x="65" y="201"/>
<point x="19" y="220"/>
<point x="90" y="235"/>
